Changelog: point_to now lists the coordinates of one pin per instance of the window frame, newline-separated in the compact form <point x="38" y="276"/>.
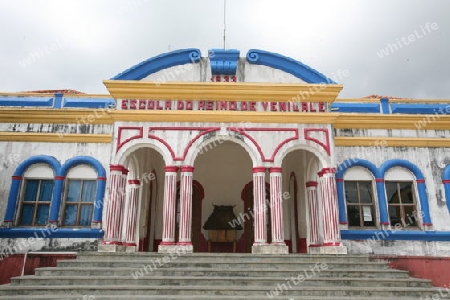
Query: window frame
<point x="79" y="203"/>
<point x="359" y="205"/>
<point x="415" y="204"/>
<point x="36" y="202"/>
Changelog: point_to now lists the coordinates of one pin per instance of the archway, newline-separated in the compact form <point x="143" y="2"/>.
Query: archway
<point x="299" y="167"/>
<point x="146" y="167"/>
<point x="223" y="170"/>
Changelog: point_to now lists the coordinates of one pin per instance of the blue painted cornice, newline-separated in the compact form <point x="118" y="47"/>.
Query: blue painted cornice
<point x="288" y="65"/>
<point x="223" y="62"/>
<point x="160" y="62"/>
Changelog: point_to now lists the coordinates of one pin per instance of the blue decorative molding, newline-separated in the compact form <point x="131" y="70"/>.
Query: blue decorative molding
<point x="446" y="181"/>
<point x="421" y="109"/>
<point x="385" y="105"/>
<point x="60" y="173"/>
<point x="89" y="102"/>
<point x="288" y="65"/>
<point x="223" y="62"/>
<point x="345" y="107"/>
<point x="58" y="100"/>
<point x="59" y="186"/>
<point x="160" y="62"/>
<point x="17" y="179"/>
<point x="392" y="235"/>
<point x="26" y="101"/>
<point x="421" y="187"/>
<point x="50" y="233"/>
<point x="342" y="168"/>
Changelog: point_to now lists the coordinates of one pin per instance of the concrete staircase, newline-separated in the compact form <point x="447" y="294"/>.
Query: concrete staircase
<point x="96" y="275"/>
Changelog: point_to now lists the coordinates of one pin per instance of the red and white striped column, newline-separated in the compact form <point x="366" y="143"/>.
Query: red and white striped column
<point x="313" y="207"/>
<point x="259" y="205"/>
<point x="170" y="189"/>
<point x="132" y="208"/>
<point x="185" y="205"/>
<point x="114" y="213"/>
<point x="331" y="234"/>
<point x="276" y="205"/>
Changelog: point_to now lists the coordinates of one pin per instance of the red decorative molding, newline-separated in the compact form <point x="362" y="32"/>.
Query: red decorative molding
<point x="427" y="224"/>
<point x="102" y="178"/>
<point x="384" y="223"/>
<point x="134" y="181"/>
<point x="311" y="184"/>
<point x="242" y="131"/>
<point x="326" y="145"/>
<point x="420" y="180"/>
<point x="379" y="179"/>
<point x="445" y="181"/>
<point x="187" y="169"/>
<point x="325" y="171"/>
<point x="171" y="169"/>
<point x="343" y="223"/>
<point x="59" y="177"/>
<point x="203" y="131"/>
<point x="275" y="170"/>
<point x="331" y="244"/>
<point x="259" y="169"/>
<point x="121" y="142"/>
<point x="339" y="179"/>
<point x="16" y="177"/>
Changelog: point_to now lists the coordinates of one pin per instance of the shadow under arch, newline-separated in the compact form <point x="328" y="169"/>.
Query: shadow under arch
<point x="216" y="141"/>
<point x="324" y="159"/>
<point x="123" y="154"/>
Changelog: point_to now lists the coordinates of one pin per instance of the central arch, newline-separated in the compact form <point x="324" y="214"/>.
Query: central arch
<point x="223" y="169"/>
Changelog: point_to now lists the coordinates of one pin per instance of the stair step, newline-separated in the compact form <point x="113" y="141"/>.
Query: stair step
<point x="239" y="291"/>
<point x="306" y="280"/>
<point x="190" y="271"/>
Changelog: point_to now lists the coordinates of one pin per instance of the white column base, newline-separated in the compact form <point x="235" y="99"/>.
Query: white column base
<point x="109" y="248"/>
<point x="328" y="250"/>
<point x="130" y="249"/>
<point x="175" y="248"/>
<point x="270" y="249"/>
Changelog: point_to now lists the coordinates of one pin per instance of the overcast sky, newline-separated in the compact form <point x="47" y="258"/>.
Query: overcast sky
<point x="59" y="44"/>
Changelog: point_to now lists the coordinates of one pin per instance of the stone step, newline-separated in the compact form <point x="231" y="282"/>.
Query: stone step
<point x="224" y="257"/>
<point x="307" y="279"/>
<point x="213" y="291"/>
<point x="188" y="297"/>
<point x="189" y="271"/>
<point x="154" y="264"/>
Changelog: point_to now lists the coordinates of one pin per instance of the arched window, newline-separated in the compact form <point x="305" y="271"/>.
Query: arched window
<point x="79" y="196"/>
<point x="401" y="198"/>
<point x="359" y="191"/>
<point x="36" y="196"/>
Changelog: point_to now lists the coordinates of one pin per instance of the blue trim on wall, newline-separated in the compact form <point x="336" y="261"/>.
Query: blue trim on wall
<point x="428" y="109"/>
<point x="59" y="186"/>
<point x="160" y="62"/>
<point x="421" y="187"/>
<point x="26" y="101"/>
<point x="391" y="235"/>
<point x="15" y="185"/>
<point x="51" y="233"/>
<point x="58" y="100"/>
<point x="342" y="168"/>
<point x="288" y="65"/>
<point x="400" y="163"/>
<point x="355" y="107"/>
<point x="60" y="172"/>
<point x="385" y="105"/>
<point x="89" y="102"/>
<point x="223" y="62"/>
<point x="446" y="176"/>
